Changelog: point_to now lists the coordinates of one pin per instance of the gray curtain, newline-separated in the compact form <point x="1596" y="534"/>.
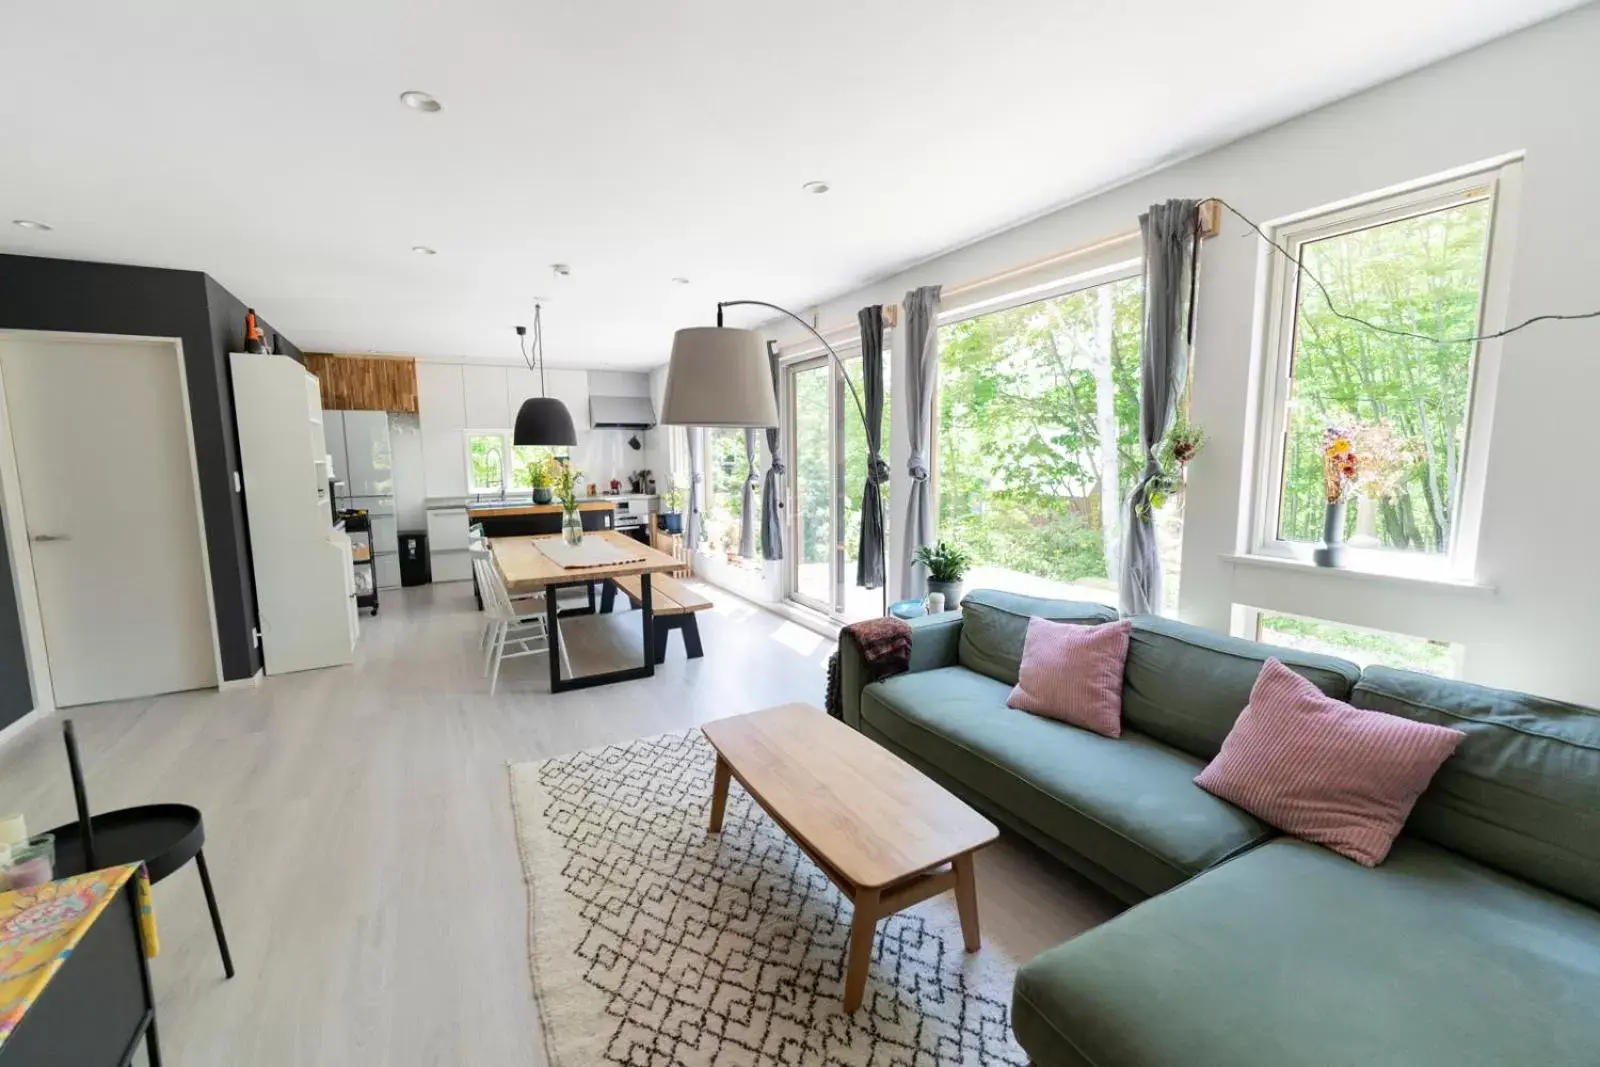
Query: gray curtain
<point x="691" y="525"/>
<point x="869" y="557"/>
<point x="772" y="486"/>
<point x="1169" y="238"/>
<point x="747" y="498"/>
<point x="921" y="308"/>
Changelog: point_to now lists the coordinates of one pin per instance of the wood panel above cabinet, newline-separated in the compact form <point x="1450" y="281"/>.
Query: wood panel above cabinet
<point x="365" y="383"/>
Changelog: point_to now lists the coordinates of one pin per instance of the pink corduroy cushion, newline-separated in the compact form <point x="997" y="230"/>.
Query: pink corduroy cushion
<point x="1073" y="673"/>
<point x="1322" y="770"/>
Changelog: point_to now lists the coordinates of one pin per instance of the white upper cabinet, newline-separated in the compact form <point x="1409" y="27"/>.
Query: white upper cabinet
<point x="441" y="398"/>
<point x="487" y="406"/>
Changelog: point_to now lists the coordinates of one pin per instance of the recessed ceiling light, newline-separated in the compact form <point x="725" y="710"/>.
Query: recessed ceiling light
<point x="816" y="188"/>
<point x="560" y="270"/>
<point x="680" y="281"/>
<point x="29" y="224"/>
<point x="417" y="100"/>
<point x="423" y="250"/>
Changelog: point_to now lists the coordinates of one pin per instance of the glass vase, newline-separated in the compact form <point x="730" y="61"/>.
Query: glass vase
<point x="572" y="527"/>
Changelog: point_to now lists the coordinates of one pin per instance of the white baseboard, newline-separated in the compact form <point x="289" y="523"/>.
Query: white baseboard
<point x="242" y="683"/>
<point x="16" y="728"/>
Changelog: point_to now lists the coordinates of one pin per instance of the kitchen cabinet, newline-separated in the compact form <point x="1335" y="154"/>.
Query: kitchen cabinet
<point x="485" y="398"/>
<point x="444" y="463"/>
<point x="447" y="544"/>
<point x="441" y="396"/>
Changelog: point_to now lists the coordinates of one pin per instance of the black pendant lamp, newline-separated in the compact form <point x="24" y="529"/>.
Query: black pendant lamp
<point x="542" y="420"/>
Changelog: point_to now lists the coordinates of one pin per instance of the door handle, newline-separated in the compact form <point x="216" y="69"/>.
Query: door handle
<point x="52" y="537"/>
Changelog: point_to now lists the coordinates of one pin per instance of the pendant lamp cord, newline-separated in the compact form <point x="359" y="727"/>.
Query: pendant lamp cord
<point x="538" y="344"/>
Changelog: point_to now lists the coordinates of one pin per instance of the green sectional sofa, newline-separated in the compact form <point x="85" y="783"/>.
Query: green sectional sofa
<point x="1476" y="942"/>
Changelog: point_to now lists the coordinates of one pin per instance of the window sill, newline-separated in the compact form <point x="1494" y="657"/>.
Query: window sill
<point x="1432" y="581"/>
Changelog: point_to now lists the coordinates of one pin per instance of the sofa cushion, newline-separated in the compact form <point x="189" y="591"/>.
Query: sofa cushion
<point x="1073" y="673"/>
<point x="1291" y="955"/>
<point x="1185" y="686"/>
<point x="1522" y="792"/>
<point x="994" y="626"/>
<point x="1322" y="770"/>
<point x="1129" y="805"/>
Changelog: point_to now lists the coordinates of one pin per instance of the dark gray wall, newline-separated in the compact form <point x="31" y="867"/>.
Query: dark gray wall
<point x="73" y="296"/>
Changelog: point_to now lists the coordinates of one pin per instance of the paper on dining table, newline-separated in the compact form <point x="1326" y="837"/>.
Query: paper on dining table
<point x="590" y="552"/>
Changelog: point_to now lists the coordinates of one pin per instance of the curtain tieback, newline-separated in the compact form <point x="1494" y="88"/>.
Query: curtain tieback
<point x="777" y="467"/>
<point x="877" y="469"/>
<point x="918" y="467"/>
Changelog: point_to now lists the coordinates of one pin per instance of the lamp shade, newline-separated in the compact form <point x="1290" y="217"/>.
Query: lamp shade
<point x="719" y="376"/>
<point x="543" y="420"/>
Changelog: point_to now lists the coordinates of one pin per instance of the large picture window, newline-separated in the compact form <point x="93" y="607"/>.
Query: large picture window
<point x="1038" y="440"/>
<point x="1407" y="406"/>
<point x="726" y="469"/>
<point x="495" y="465"/>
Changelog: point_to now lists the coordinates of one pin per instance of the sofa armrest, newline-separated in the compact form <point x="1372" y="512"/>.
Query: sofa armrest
<point x="934" y="640"/>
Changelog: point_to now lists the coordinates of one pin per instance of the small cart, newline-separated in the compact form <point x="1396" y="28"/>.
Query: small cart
<point x="357" y="521"/>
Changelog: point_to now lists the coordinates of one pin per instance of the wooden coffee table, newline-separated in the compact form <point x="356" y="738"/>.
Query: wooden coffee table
<point x="887" y="835"/>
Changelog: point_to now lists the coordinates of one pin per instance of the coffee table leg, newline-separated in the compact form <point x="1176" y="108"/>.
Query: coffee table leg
<point x="863" y="928"/>
<point x="967" y="899"/>
<point x="719" y="794"/>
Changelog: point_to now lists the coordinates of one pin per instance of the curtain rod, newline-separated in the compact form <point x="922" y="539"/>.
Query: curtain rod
<point x="1210" y="212"/>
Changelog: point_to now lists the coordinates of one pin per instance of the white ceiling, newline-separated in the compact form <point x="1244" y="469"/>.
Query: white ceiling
<point x="636" y="140"/>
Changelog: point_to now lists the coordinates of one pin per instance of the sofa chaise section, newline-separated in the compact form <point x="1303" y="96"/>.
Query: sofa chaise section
<point x="1293" y="955"/>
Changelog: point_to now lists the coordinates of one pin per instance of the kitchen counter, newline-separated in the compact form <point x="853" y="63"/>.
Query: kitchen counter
<point x="498" y="509"/>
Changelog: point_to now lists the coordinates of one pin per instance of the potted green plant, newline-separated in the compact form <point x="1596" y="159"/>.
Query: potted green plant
<point x="947" y="564"/>
<point x="539" y="478"/>
<point x="671" y="511"/>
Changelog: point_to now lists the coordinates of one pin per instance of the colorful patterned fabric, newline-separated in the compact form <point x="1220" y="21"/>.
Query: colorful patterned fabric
<point x="1324" y="771"/>
<point x="1074" y="673"/>
<point x="41" y="925"/>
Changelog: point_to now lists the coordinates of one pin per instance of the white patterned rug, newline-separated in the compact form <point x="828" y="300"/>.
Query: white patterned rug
<point x="653" y="943"/>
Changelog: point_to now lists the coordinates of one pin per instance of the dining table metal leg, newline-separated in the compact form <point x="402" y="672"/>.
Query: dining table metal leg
<point x="552" y="625"/>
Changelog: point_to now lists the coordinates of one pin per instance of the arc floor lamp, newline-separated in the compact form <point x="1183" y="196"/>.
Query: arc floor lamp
<point x="719" y="376"/>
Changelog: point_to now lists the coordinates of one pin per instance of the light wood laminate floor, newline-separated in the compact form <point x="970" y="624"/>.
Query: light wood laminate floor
<point x="360" y="834"/>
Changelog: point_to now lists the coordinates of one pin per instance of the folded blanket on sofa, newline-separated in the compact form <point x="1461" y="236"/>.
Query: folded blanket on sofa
<point x="886" y="649"/>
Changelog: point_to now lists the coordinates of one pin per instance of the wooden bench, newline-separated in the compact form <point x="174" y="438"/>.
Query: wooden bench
<point x="673" y="604"/>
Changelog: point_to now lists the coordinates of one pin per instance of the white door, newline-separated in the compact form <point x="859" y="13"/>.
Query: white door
<point x="101" y="438"/>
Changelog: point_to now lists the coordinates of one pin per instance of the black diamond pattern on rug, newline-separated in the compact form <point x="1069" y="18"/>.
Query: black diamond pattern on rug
<point x="730" y="949"/>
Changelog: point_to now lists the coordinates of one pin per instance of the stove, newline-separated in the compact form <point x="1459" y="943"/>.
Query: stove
<point x="632" y="516"/>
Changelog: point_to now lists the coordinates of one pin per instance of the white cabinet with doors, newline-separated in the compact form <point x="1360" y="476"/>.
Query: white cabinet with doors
<point x="485" y="399"/>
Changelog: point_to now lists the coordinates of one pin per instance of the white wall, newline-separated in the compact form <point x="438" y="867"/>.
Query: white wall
<point x="454" y="397"/>
<point x="1537" y="92"/>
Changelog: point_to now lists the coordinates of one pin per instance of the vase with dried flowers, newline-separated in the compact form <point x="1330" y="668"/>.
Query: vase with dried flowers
<point x="1341" y="466"/>
<point x="1368" y="461"/>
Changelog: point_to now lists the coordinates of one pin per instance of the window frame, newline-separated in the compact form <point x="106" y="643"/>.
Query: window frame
<point x="1121" y="270"/>
<point x="505" y="455"/>
<point x="1248" y="622"/>
<point x="1499" y="181"/>
<point x="508" y="457"/>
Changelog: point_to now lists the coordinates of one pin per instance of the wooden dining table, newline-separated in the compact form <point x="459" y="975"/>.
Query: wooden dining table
<point x="526" y="569"/>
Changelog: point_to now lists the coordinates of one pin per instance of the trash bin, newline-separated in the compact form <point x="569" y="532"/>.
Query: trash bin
<point x="415" y="566"/>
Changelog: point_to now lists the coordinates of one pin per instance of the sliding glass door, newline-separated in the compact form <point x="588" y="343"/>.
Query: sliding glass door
<point x="828" y="443"/>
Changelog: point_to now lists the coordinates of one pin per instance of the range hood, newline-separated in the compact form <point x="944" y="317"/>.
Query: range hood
<point x="621" y="412"/>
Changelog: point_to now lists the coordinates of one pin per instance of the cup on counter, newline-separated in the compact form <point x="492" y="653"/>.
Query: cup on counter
<point x="934" y="603"/>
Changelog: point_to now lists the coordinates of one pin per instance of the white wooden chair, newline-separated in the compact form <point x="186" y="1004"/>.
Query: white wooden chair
<point x="515" y="629"/>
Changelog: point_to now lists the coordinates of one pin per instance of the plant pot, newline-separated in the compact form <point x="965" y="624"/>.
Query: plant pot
<point x="952" y="592"/>
<point x="1331" y="554"/>
<point x="672" y="522"/>
<point x="541" y="496"/>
